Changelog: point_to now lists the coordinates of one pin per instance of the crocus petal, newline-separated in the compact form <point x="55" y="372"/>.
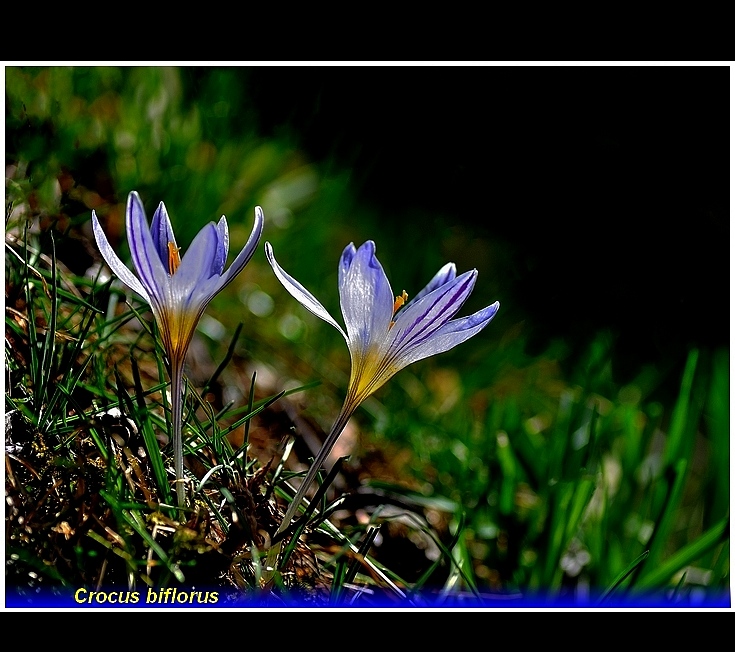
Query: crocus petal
<point x="429" y="313"/>
<point x="148" y="264"/>
<point x="299" y="292"/>
<point x="247" y="251"/>
<point x="345" y="261"/>
<point x="447" y="273"/>
<point x="366" y="299"/>
<point x="114" y="263"/>
<point x="447" y="337"/>
<point x="223" y="246"/>
<point x="196" y="265"/>
<point x="162" y="234"/>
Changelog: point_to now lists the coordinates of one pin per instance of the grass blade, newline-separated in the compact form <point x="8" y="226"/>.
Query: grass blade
<point x="622" y="576"/>
<point x="685" y="556"/>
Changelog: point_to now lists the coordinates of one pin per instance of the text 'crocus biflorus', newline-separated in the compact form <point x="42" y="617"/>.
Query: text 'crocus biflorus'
<point x="177" y="289"/>
<point x="385" y="333"/>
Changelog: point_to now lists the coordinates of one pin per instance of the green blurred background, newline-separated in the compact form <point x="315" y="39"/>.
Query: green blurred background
<point x="592" y="200"/>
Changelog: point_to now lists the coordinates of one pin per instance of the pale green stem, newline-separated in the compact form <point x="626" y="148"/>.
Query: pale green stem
<point x="177" y="411"/>
<point x="339" y="425"/>
<point x="321" y="456"/>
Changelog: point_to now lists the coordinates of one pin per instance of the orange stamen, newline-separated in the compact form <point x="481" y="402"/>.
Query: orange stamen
<point x="174" y="260"/>
<point x="397" y="304"/>
<point x="400" y="301"/>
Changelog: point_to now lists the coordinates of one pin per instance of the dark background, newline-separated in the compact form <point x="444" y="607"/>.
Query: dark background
<point x="607" y="186"/>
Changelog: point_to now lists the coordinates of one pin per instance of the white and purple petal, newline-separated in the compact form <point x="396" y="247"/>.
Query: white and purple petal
<point x="162" y="234"/>
<point x="446" y="337"/>
<point x="247" y="252"/>
<point x="366" y="299"/>
<point x="446" y="274"/>
<point x="345" y="260"/>
<point x="114" y="263"/>
<point x="148" y="264"/>
<point x="223" y="246"/>
<point x="432" y="311"/>
<point x="196" y="265"/>
<point x="299" y="292"/>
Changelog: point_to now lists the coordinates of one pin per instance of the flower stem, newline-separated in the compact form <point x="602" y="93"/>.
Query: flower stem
<point x="177" y="411"/>
<point x="339" y="425"/>
<point x="321" y="456"/>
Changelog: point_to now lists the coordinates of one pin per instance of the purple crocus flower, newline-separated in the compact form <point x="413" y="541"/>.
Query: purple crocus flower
<point x="385" y="333"/>
<point x="177" y="289"/>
